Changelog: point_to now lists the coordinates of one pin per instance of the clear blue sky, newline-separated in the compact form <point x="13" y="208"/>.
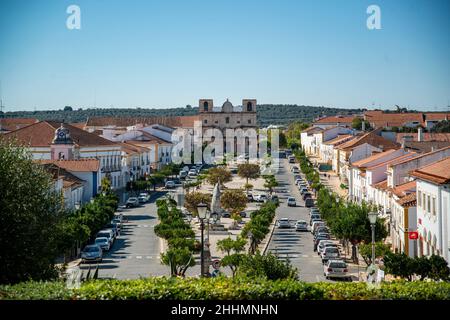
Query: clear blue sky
<point x="171" y="53"/>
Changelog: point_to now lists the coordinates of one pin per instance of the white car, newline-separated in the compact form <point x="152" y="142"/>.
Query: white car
<point x="323" y="244"/>
<point x="260" y="198"/>
<point x="170" y="184"/>
<point x="330" y="253"/>
<point x="301" y="225"/>
<point x="336" y="269"/>
<point x="132" y="202"/>
<point x="103" y="242"/>
<point x="291" y="202"/>
<point x="284" y="223"/>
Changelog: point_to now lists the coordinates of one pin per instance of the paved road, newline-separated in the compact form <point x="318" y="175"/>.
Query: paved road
<point x="287" y="243"/>
<point x="136" y="251"/>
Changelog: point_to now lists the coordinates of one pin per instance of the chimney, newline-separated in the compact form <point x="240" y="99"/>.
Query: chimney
<point x="403" y="142"/>
<point x="363" y="125"/>
<point x="419" y="134"/>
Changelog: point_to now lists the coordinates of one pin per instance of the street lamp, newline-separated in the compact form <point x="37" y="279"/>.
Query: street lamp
<point x="201" y="209"/>
<point x="373" y="220"/>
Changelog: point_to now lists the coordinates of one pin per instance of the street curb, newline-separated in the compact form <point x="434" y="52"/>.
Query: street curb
<point x="266" y="245"/>
<point x="162" y="247"/>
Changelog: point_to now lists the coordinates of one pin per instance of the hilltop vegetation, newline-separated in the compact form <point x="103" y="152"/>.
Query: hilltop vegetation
<point x="266" y="113"/>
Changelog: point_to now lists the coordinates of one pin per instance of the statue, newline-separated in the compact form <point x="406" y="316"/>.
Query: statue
<point x="215" y="201"/>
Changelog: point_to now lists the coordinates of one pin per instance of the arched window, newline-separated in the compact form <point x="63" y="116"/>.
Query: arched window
<point x="249" y="106"/>
<point x="205" y="106"/>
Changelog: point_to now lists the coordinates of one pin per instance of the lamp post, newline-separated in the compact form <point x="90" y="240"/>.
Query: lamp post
<point x="373" y="220"/>
<point x="201" y="209"/>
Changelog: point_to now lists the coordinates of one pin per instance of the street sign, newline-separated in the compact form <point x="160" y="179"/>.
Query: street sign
<point x="413" y="235"/>
<point x="216" y="264"/>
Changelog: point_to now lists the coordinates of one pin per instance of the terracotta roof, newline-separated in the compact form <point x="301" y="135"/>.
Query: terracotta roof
<point x="421" y="155"/>
<point x="383" y="185"/>
<point x="402" y="189"/>
<point x="408" y="201"/>
<point x="69" y="180"/>
<point x="437" y="172"/>
<point x="130" y="148"/>
<point x="437" y="116"/>
<point x="79" y="125"/>
<point x="41" y="134"/>
<point x="426" y="146"/>
<point x="79" y="165"/>
<point x="11" y="124"/>
<point x="336" y="119"/>
<point x="408" y="155"/>
<point x="152" y="138"/>
<point x="171" y="121"/>
<point x="372" y="139"/>
<point x="362" y="162"/>
<point x="427" y="136"/>
<point x="338" y="139"/>
<point x="382" y="119"/>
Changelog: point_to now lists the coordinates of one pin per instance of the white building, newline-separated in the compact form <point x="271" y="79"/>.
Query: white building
<point x="433" y="208"/>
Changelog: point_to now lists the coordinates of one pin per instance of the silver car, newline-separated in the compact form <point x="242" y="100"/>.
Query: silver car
<point x="103" y="242"/>
<point x="336" y="269"/>
<point x="92" y="253"/>
<point x="330" y="253"/>
<point x="301" y="225"/>
<point x="284" y="223"/>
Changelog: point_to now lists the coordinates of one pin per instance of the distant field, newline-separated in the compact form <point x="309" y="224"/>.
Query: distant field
<point x="266" y="114"/>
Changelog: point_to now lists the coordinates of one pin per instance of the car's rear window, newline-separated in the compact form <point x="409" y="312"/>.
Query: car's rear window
<point x="338" y="265"/>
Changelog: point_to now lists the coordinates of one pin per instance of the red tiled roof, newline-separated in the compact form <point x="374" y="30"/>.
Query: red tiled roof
<point x="336" y="119"/>
<point x="362" y="162"/>
<point x="79" y="165"/>
<point x="437" y="172"/>
<point x="408" y="201"/>
<point x="421" y="155"/>
<point x="11" y="124"/>
<point x="41" y="134"/>
<point x="69" y="180"/>
<point x="383" y="185"/>
<point x="427" y="136"/>
<point x="402" y="189"/>
<point x="437" y="116"/>
<point x="381" y="119"/>
<point x="338" y="139"/>
<point x="372" y="139"/>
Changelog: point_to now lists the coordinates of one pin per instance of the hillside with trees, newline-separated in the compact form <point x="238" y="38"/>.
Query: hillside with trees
<point x="266" y="113"/>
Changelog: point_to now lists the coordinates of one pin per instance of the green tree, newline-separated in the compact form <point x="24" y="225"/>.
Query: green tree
<point x="179" y="260"/>
<point x="194" y="198"/>
<point x="234" y="201"/>
<point x="270" y="183"/>
<point x="217" y="174"/>
<point x="266" y="266"/>
<point x="365" y="249"/>
<point x="439" y="268"/>
<point x="30" y="215"/>
<point x="399" y="265"/>
<point x="357" y="124"/>
<point x="232" y="248"/>
<point x="248" y="171"/>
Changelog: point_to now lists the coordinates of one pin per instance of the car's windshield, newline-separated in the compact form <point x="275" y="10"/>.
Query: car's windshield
<point x="102" y="239"/>
<point x="331" y="250"/>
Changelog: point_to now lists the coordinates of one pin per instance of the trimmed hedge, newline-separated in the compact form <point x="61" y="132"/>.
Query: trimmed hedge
<point x="226" y="289"/>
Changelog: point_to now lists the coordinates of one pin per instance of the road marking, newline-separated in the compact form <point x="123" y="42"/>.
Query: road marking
<point x="305" y="256"/>
<point x="149" y="257"/>
<point x="138" y="257"/>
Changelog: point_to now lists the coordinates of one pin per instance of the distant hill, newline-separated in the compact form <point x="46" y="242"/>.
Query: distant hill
<point x="266" y="113"/>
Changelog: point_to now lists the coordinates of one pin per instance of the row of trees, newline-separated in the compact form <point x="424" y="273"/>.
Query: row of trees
<point x="348" y="221"/>
<point x="179" y="235"/>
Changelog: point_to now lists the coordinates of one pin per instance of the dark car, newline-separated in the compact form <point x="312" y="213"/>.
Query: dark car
<point x="306" y="195"/>
<point x="309" y="202"/>
<point x="226" y="215"/>
<point x="250" y="197"/>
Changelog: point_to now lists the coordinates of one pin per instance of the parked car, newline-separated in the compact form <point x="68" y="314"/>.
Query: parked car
<point x="226" y="215"/>
<point x="115" y="228"/>
<point x="250" y="197"/>
<point x="192" y="174"/>
<point x="336" y="269"/>
<point x="92" y="252"/>
<point x="315" y="216"/>
<point x="295" y="170"/>
<point x="316" y="224"/>
<point x="170" y="184"/>
<point x="108" y="233"/>
<point x="132" y="202"/>
<point x="274" y="198"/>
<point x="322" y="229"/>
<point x="284" y="223"/>
<point x="330" y="253"/>
<point x="103" y="242"/>
<point x="243" y="214"/>
<point x="321" y="245"/>
<point x="183" y="174"/>
<point x="260" y="198"/>
<point x="306" y="195"/>
<point x="314" y="210"/>
<point x="320" y="236"/>
<point x="298" y="180"/>
<point x="309" y="202"/>
<point x="291" y="202"/>
<point x="301" y="225"/>
<point x="291" y="159"/>
<point x="303" y="190"/>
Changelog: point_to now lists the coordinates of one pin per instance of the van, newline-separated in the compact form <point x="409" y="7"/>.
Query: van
<point x="315" y="225"/>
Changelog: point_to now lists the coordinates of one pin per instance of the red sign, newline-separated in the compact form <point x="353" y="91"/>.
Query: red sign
<point x="413" y="235"/>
